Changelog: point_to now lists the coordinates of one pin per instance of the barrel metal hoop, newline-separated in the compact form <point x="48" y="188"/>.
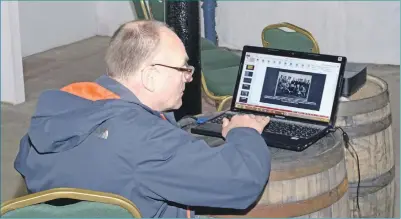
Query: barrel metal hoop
<point x="298" y="208"/>
<point x="369" y="186"/>
<point x="366" y="105"/>
<point x="368" y="129"/>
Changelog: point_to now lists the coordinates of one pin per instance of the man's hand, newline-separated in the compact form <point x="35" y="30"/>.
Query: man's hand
<point x="251" y="121"/>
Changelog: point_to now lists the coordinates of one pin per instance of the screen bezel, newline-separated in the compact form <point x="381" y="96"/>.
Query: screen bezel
<point x="293" y="54"/>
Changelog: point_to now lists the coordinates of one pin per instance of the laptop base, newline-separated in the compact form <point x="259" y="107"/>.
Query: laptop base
<point x="271" y="139"/>
<point x="288" y="143"/>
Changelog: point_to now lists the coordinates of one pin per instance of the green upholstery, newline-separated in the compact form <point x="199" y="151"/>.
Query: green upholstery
<point x="220" y="70"/>
<point x="280" y="39"/>
<point x="207" y="44"/>
<point x="153" y="7"/>
<point x="138" y="9"/>
<point x="156" y="8"/>
<point x="83" y="209"/>
<point x="221" y="81"/>
<point x="289" y="37"/>
<point x="218" y="58"/>
<point x="70" y="203"/>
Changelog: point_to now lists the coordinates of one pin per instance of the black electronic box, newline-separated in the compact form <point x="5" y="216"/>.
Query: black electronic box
<point x="354" y="78"/>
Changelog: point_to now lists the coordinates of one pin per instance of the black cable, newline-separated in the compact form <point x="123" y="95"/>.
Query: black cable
<point x="355" y="156"/>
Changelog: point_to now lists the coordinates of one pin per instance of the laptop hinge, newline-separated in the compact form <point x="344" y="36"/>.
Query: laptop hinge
<point x="332" y="128"/>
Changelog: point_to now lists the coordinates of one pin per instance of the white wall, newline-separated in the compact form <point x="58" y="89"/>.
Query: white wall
<point x="111" y="14"/>
<point x="47" y="24"/>
<point x="12" y="82"/>
<point x="362" y="31"/>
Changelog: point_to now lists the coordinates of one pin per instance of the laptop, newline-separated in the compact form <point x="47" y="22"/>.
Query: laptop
<point x="299" y="92"/>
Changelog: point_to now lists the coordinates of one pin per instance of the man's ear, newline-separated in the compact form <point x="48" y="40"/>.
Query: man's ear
<point x="148" y="78"/>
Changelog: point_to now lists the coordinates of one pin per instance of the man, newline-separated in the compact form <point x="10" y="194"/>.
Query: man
<point x="112" y="135"/>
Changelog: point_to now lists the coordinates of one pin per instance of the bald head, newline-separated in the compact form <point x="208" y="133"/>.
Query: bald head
<point x="132" y="45"/>
<point x="171" y="50"/>
<point x="147" y="57"/>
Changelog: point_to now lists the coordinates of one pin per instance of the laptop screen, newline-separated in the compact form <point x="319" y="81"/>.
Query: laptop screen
<point x="288" y="86"/>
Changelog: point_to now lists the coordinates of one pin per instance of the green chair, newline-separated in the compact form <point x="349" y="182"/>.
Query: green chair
<point x="141" y="9"/>
<point x="90" y="204"/>
<point x="297" y="39"/>
<point x="207" y="44"/>
<point x="149" y="9"/>
<point x="218" y="58"/>
<point x="219" y="66"/>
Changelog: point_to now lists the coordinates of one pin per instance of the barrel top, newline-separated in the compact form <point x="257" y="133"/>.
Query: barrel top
<point x="374" y="86"/>
<point x="372" y="96"/>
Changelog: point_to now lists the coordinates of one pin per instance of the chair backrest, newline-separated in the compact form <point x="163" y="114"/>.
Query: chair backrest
<point x="141" y="9"/>
<point x="297" y="39"/>
<point x="90" y="204"/>
<point x="150" y="9"/>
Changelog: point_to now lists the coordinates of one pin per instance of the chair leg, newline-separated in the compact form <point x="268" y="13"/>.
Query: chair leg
<point x="223" y="102"/>
<point x="217" y="104"/>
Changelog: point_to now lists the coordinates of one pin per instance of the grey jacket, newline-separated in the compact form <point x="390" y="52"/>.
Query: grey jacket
<point x="119" y="145"/>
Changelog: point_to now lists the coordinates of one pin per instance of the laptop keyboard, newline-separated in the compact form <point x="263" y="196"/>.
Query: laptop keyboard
<point x="277" y="127"/>
<point x="289" y="129"/>
<point x="219" y="120"/>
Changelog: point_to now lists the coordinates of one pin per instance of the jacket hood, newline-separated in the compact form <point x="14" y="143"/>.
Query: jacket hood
<point x="64" y="118"/>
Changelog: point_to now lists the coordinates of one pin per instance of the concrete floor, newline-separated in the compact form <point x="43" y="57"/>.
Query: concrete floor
<point x="83" y="61"/>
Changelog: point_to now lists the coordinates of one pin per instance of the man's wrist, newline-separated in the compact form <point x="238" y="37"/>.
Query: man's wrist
<point x="241" y="131"/>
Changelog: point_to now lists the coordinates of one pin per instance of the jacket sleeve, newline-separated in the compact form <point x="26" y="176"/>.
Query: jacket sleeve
<point x="189" y="172"/>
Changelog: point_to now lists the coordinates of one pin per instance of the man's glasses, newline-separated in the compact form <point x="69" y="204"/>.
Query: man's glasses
<point x="188" y="70"/>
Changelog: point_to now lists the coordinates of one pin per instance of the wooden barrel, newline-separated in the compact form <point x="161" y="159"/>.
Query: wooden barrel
<point x="312" y="183"/>
<point x="366" y="117"/>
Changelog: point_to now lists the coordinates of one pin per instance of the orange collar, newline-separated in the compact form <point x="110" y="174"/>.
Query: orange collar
<point x="90" y="91"/>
